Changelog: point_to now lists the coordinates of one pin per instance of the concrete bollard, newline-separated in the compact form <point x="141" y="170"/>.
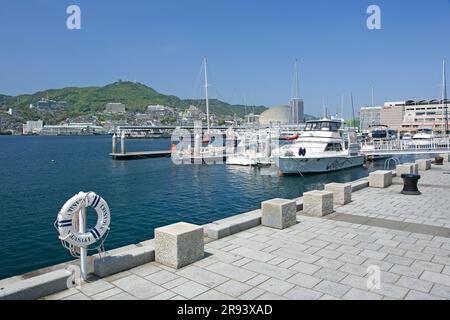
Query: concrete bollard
<point x="342" y="192"/>
<point x="380" y="179"/>
<point x="424" y="164"/>
<point x="318" y="203"/>
<point x="279" y="213"/>
<point x="405" y="168"/>
<point x="179" y="244"/>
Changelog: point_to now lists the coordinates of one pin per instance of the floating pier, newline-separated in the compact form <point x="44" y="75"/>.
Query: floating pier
<point x="141" y="155"/>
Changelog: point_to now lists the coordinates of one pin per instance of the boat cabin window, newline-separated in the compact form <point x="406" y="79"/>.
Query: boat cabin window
<point x="322" y="126"/>
<point x="334" y="147"/>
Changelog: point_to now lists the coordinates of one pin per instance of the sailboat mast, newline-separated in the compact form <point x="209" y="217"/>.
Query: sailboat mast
<point x="353" y="109"/>
<point x="205" y="62"/>
<point x="444" y="96"/>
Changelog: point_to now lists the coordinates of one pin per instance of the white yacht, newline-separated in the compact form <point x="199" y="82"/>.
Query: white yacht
<point x="322" y="147"/>
<point x="424" y="137"/>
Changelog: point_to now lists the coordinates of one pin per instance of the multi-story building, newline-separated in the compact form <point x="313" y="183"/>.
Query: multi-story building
<point x="407" y="116"/>
<point x="32" y="127"/>
<point x="369" y="116"/>
<point x="115" y="107"/>
<point x="425" y="114"/>
<point x="392" y="114"/>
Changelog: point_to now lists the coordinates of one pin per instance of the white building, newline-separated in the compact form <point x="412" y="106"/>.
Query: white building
<point x="115" y="107"/>
<point x="32" y="127"/>
<point x="369" y="116"/>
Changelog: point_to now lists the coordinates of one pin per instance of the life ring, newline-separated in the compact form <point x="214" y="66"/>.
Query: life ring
<point x="66" y="230"/>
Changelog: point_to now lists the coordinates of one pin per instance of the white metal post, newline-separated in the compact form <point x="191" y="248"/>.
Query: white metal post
<point x="206" y="93"/>
<point x="83" y="250"/>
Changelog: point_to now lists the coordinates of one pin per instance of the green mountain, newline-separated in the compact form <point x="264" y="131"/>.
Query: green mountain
<point x="135" y="96"/>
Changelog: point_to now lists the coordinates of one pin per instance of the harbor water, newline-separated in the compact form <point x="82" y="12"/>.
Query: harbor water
<point x="38" y="174"/>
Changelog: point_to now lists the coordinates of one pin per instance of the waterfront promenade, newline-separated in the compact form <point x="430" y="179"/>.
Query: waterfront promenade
<point x="407" y="237"/>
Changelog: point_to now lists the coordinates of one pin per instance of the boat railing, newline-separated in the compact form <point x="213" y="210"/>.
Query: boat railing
<point x="408" y="145"/>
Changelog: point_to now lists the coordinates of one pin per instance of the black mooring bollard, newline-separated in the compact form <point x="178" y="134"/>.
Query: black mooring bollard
<point x="439" y="161"/>
<point x="410" y="181"/>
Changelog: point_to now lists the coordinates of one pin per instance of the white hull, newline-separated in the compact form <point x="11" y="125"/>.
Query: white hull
<point x="297" y="165"/>
<point x="241" y="161"/>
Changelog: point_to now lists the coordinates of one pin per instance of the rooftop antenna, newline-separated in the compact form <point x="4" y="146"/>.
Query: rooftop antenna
<point x="444" y="96"/>
<point x="323" y="107"/>
<point x="205" y="63"/>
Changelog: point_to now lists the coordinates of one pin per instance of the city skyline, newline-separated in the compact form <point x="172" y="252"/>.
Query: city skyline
<point x="251" y="48"/>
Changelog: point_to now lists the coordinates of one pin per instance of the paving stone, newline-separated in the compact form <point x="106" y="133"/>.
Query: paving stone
<point x="348" y="258"/>
<point x="357" y="270"/>
<point x="145" y="269"/>
<point x="330" y="274"/>
<point x="230" y="271"/>
<point x="330" y="254"/>
<point x="329" y="263"/>
<point x="62" y="294"/>
<point x="441" y="291"/>
<point x="391" y="291"/>
<point x="355" y="281"/>
<point x="260" y="278"/>
<point x="417" y="295"/>
<point x="270" y="296"/>
<point x="418" y="255"/>
<point x="398" y="260"/>
<point x="332" y="288"/>
<point x="174" y="283"/>
<point x="122" y="296"/>
<point x="202" y="276"/>
<point x="373" y="254"/>
<point x="416" y="284"/>
<point x="253" y="254"/>
<point x="299" y="293"/>
<point x="138" y="287"/>
<point x="190" y="289"/>
<point x="161" y="277"/>
<point x="430" y="266"/>
<point x="93" y="288"/>
<point x="241" y="262"/>
<point x="269" y="270"/>
<point x="213" y="295"/>
<point x="106" y="294"/>
<point x="233" y="288"/>
<point x="167" y="295"/>
<point x="435" y="277"/>
<point x="276" y="286"/>
<point x="288" y="263"/>
<point x="252" y="294"/>
<point x="304" y="280"/>
<point x="358" y="294"/>
<point x="307" y="268"/>
<point x="412" y="272"/>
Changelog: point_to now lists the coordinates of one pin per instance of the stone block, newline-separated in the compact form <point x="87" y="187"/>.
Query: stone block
<point x="404" y="168"/>
<point x="318" y="203"/>
<point x="380" y="179"/>
<point x="342" y="192"/>
<point x="424" y="164"/>
<point x="279" y="213"/>
<point x="37" y="287"/>
<point x="179" y="244"/>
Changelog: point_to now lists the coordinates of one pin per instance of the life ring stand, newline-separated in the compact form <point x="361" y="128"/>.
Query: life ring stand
<point x="69" y="212"/>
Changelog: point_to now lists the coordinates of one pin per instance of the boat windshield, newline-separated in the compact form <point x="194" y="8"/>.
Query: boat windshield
<point x="322" y="126"/>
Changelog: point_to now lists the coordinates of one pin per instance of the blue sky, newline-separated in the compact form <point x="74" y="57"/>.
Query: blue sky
<point x="250" y="44"/>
